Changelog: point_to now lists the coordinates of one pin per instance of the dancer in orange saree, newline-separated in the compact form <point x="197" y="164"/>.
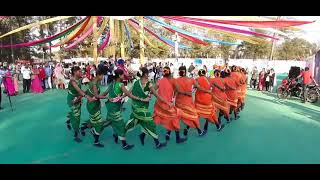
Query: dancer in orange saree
<point x="243" y="88"/>
<point x="203" y="102"/>
<point x="232" y="93"/>
<point x="184" y="101"/>
<point x="219" y="96"/>
<point x="165" y="113"/>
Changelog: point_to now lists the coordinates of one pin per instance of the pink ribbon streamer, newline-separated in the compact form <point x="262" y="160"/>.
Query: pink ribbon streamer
<point x="105" y="43"/>
<point x="85" y="35"/>
<point x="218" y="27"/>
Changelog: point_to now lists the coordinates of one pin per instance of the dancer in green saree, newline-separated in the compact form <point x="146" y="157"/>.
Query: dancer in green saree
<point x="74" y="101"/>
<point x="116" y="92"/>
<point x="94" y="108"/>
<point x="140" y="113"/>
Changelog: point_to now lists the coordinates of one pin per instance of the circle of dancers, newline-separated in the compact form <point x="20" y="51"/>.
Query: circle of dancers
<point x="177" y="99"/>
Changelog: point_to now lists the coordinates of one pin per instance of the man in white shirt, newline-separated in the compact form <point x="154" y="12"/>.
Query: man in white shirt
<point x="26" y="74"/>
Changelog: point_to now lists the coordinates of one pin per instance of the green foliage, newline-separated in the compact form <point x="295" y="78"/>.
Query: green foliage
<point x="296" y="48"/>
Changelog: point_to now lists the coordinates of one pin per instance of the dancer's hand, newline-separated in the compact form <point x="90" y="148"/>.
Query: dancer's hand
<point x="90" y="99"/>
<point x="147" y="99"/>
<point x="170" y="104"/>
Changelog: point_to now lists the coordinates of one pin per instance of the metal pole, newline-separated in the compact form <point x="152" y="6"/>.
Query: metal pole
<point x="95" y="41"/>
<point x="141" y="31"/>
<point x="273" y="43"/>
<point x="12" y="55"/>
<point x="176" y="46"/>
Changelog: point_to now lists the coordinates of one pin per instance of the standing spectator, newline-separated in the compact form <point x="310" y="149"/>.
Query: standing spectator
<point x="48" y="70"/>
<point x="262" y="80"/>
<point x="104" y="69"/>
<point x="26" y="75"/>
<point x="271" y="82"/>
<point x="67" y="75"/>
<point x="42" y="76"/>
<point x="254" y="77"/>
<point x="36" y="82"/>
<point x="190" y="69"/>
<point x="267" y="80"/>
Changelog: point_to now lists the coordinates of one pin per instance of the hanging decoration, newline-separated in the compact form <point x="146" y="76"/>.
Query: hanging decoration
<point x="36" y="24"/>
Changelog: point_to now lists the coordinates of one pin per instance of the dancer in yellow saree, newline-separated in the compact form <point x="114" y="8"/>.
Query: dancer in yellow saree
<point x="141" y="115"/>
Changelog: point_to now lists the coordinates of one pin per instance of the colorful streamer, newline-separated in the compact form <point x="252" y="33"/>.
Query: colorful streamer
<point x="129" y="35"/>
<point x="220" y="27"/>
<point x="190" y="38"/>
<point x="80" y="39"/>
<point x="164" y="40"/>
<point x="146" y="40"/>
<point x="29" y="26"/>
<point x="74" y="34"/>
<point x="88" y="32"/>
<point x="191" y="34"/>
<point x="255" y="24"/>
<point x="105" y="43"/>
<point x="45" y="40"/>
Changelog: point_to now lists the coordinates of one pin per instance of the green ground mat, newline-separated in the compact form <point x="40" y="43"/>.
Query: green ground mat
<point x="269" y="131"/>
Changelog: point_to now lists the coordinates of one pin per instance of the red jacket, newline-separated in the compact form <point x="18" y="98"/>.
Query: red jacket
<point x="42" y="73"/>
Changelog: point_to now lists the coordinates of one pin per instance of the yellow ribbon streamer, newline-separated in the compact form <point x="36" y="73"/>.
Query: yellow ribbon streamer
<point x="29" y="26"/>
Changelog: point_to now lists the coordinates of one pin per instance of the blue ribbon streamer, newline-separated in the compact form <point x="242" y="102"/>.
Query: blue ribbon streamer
<point x="129" y="36"/>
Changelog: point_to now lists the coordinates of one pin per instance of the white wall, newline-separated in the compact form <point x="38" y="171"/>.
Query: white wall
<point x="280" y="66"/>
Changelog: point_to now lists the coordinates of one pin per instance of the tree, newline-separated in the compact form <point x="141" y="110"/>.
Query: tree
<point x="296" y="48"/>
<point x="255" y="51"/>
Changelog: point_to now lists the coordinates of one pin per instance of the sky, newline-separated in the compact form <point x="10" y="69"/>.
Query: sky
<point x="312" y="31"/>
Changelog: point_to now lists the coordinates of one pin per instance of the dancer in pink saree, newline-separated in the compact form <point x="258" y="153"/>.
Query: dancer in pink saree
<point x="262" y="80"/>
<point x="8" y="83"/>
<point x="35" y="83"/>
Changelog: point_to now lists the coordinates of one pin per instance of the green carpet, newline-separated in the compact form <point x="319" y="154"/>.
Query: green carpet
<point x="269" y="131"/>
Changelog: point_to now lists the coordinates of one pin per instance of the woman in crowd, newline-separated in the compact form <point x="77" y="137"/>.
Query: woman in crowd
<point x="261" y="83"/>
<point x="141" y="115"/>
<point x="272" y="78"/>
<point x="59" y="79"/>
<point x="8" y="82"/>
<point x="35" y="82"/>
